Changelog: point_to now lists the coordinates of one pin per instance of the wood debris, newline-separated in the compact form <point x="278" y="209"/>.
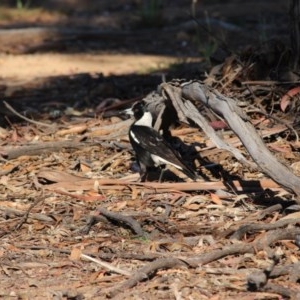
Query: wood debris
<point x="76" y="222"/>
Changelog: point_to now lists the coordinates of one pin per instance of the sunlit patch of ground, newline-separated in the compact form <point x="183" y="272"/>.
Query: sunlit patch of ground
<point x="42" y="65"/>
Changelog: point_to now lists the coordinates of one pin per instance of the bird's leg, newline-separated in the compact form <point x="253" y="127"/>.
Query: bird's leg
<point x="143" y="172"/>
<point x="143" y="177"/>
<point x="162" y="171"/>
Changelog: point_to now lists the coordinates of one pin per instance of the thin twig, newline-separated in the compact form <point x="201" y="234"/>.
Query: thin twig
<point x="26" y="215"/>
<point x="106" y="265"/>
<point x="24" y="118"/>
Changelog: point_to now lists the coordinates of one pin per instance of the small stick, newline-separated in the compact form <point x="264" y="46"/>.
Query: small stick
<point x="126" y="220"/>
<point x="106" y="265"/>
<point x="23" y="117"/>
<point x="26" y="215"/>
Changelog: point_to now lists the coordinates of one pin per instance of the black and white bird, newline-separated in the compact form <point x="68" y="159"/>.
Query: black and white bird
<point x="151" y="149"/>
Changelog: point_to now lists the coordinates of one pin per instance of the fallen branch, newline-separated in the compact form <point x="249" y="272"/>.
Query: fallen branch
<point x="258" y="227"/>
<point x="147" y="272"/>
<point x="75" y="183"/>
<point x="240" y="248"/>
<point x="9" y="107"/>
<point x="43" y="148"/>
<point x="259" y="244"/>
<point x="240" y="125"/>
<point x="11" y="212"/>
<point x="187" y="111"/>
<point x="281" y="290"/>
<point x="258" y="281"/>
<point x="125" y="220"/>
<point x="98" y="136"/>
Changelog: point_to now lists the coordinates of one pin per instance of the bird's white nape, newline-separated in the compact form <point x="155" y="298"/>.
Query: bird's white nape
<point x="145" y="120"/>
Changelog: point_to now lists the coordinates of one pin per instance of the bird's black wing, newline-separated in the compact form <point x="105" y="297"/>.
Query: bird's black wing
<point x="150" y="140"/>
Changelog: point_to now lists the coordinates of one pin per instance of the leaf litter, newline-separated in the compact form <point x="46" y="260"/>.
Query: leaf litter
<point x="74" y="199"/>
<point x="76" y="222"/>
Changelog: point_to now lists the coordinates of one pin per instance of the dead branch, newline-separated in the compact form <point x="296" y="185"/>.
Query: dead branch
<point x="259" y="244"/>
<point x="76" y="183"/>
<point x="293" y="270"/>
<point x="123" y="220"/>
<point x="109" y="132"/>
<point x="186" y="110"/>
<point x="241" y="248"/>
<point x="258" y="227"/>
<point x="269" y="210"/>
<point x="44" y="148"/>
<point x="10" y="212"/>
<point x="240" y="125"/>
<point x="9" y="107"/>
<point x="290" y="269"/>
<point x="258" y="281"/>
<point x="147" y="272"/>
<point x="281" y="290"/>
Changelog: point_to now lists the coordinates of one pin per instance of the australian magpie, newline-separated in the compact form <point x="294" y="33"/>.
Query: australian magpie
<point x="151" y="149"/>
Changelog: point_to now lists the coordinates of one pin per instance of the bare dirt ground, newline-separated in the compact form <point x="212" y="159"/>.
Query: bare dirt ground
<point x="156" y="49"/>
<point x="75" y="223"/>
<point x="28" y="67"/>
